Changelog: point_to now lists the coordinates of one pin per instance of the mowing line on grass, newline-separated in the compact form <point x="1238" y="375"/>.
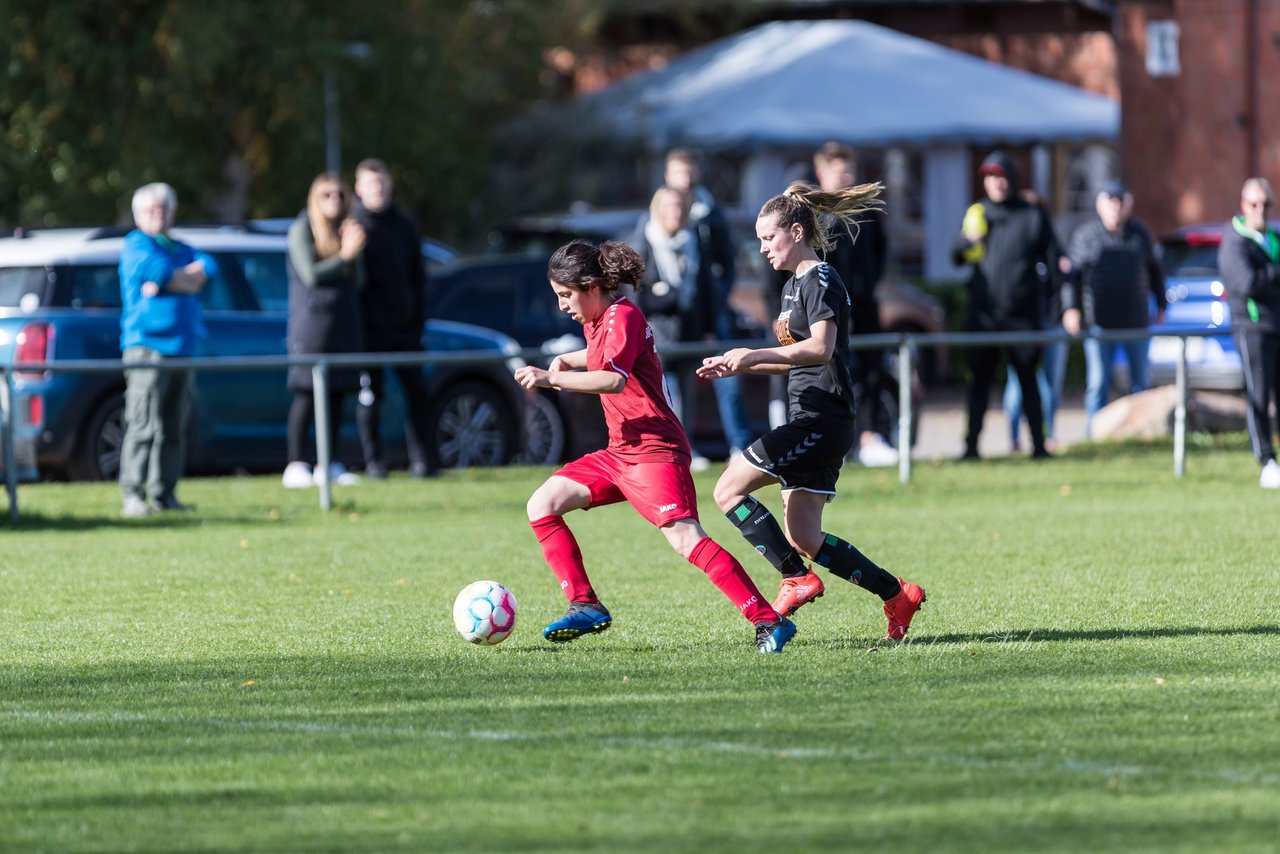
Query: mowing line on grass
<point x="678" y="745"/>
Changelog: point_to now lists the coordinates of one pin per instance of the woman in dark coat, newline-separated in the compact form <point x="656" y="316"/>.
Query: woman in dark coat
<point x="326" y="272"/>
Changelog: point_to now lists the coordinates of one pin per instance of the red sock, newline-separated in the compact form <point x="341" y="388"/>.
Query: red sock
<point x="727" y="574"/>
<point x="564" y="557"/>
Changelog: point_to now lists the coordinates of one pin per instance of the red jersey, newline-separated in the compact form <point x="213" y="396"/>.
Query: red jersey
<point x="642" y="425"/>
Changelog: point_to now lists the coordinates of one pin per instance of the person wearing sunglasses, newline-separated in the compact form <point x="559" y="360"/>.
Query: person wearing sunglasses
<point x="1249" y="260"/>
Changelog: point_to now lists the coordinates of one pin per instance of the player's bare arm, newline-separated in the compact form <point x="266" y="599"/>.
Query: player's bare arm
<point x="589" y="382"/>
<point x="816" y="350"/>
<point x="575" y="361"/>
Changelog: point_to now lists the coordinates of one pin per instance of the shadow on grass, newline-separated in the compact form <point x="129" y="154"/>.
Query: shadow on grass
<point x="172" y="521"/>
<point x="1051" y="635"/>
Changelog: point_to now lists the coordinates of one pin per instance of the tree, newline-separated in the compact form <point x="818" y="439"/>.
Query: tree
<point x="225" y="101"/>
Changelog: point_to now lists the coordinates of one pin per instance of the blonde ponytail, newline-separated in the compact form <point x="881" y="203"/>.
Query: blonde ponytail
<point x="820" y="212"/>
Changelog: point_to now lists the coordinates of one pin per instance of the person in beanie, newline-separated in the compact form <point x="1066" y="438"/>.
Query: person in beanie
<point x="1009" y="245"/>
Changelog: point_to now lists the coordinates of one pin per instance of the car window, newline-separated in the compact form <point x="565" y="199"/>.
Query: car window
<point x="516" y="300"/>
<point x="98" y="286"/>
<point x="266" y="275"/>
<point x="94" y="286"/>
<point x="18" y="282"/>
<point x="1184" y="259"/>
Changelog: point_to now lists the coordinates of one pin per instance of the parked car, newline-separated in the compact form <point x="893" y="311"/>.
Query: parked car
<point x="60" y="300"/>
<point x="1197" y="303"/>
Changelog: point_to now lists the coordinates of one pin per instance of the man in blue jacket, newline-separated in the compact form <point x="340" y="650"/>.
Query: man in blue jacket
<point x="160" y="318"/>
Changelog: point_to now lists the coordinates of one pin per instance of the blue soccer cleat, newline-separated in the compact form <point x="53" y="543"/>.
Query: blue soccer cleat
<point x="582" y="618"/>
<point x="772" y="637"/>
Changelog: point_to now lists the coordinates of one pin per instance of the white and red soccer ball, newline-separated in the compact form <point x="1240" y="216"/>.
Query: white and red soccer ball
<point x="485" y="612"/>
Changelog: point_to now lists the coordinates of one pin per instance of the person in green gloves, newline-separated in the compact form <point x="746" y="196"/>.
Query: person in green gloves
<point x="1249" y="260"/>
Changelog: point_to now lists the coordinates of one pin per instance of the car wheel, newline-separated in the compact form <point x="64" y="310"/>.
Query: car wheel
<point x="97" y="455"/>
<point x="473" y="426"/>
<point x="545" y="433"/>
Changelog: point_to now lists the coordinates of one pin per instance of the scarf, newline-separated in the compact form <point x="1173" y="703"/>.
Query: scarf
<point x="676" y="259"/>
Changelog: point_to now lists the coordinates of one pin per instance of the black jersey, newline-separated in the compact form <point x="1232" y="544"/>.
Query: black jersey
<point x="824" y="390"/>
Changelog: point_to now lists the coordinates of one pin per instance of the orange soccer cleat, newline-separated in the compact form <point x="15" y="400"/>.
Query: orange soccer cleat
<point x="901" y="608"/>
<point x="797" y="591"/>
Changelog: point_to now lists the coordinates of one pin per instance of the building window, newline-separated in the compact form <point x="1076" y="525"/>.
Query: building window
<point x="1162" y="49"/>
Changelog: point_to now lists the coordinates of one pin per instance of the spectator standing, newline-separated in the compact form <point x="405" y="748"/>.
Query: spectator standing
<point x="1114" y="267"/>
<point x="675" y="296"/>
<point x="1003" y="239"/>
<point x="861" y="264"/>
<point x="160" y="318"/>
<point x="716" y="248"/>
<point x="326" y="271"/>
<point x="1053" y="361"/>
<point x="1249" y="260"/>
<point x="394" y="308"/>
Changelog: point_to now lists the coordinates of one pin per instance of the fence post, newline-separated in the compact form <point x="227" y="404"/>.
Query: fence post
<point x="320" y="396"/>
<point x="905" y="438"/>
<point x="1180" y="412"/>
<point x="10" y="466"/>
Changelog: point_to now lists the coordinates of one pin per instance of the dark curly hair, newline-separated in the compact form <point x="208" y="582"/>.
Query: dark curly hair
<point x="579" y="264"/>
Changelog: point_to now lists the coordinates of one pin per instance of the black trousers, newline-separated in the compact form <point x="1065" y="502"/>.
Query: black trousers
<point x="417" y="428"/>
<point x="982" y="364"/>
<point x="1260" y="359"/>
<point x="302" y="414"/>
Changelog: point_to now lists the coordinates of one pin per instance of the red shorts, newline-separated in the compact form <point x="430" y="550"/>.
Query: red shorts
<point x="661" y="492"/>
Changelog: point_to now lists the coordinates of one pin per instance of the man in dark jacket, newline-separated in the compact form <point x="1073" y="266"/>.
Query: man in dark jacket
<point x="861" y="264"/>
<point x="1114" y="267"/>
<point x="395" y="312"/>
<point x="1010" y="245"/>
<point x="1249" y="260"/>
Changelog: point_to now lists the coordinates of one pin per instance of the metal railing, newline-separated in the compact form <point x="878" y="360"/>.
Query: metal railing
<point x="906" y="344"/>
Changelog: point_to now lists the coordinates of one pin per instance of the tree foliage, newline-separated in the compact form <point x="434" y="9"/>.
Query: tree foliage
<point x="225" y="101"/>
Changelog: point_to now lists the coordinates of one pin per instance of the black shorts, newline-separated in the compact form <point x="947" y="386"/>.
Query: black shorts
<point x="803" y="455"/>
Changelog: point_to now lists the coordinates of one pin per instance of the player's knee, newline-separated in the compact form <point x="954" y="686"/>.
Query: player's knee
<point x="541" y="503"/>
<point x="727" y="496"/>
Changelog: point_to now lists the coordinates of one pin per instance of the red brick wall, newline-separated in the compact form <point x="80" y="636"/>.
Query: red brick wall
<point x="1187" y="142"/>
<point x="1087" y="60"/>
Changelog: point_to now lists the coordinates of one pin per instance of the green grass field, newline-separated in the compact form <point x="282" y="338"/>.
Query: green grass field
<point x="1097" y="669"/>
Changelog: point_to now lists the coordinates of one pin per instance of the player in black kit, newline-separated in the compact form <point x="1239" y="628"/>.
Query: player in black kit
<point x="805" y="454"/>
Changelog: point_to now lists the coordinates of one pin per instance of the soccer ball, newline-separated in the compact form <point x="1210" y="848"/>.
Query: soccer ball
<point x="484" y="612"/>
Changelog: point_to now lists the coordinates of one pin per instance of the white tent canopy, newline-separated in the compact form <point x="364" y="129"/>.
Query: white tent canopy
<point x="788" y="86"/>
<point x="803" y="82"/>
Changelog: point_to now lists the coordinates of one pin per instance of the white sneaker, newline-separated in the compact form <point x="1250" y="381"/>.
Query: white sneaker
<point x="699" y="463"/>
<point x="338" y="476"/>
<point x="877" y="454"/>
<point x="1270" y="475"/>
<point x="297" y="475"/>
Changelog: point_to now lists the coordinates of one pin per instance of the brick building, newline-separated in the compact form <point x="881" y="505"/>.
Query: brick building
<point x="1200" y="96"/>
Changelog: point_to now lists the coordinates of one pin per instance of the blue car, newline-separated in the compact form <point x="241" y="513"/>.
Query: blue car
<point x="1197" y="303"/>
<point x="60" y="300"/>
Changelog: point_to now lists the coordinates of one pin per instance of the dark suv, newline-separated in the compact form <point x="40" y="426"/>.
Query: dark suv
<point x="60" y="300"/>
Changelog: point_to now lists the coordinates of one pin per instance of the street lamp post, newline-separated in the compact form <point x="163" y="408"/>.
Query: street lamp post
<point x="332" y="125"/>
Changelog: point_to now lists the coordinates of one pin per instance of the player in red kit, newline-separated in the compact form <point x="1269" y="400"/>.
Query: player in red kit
<point x="647" y="460"/>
